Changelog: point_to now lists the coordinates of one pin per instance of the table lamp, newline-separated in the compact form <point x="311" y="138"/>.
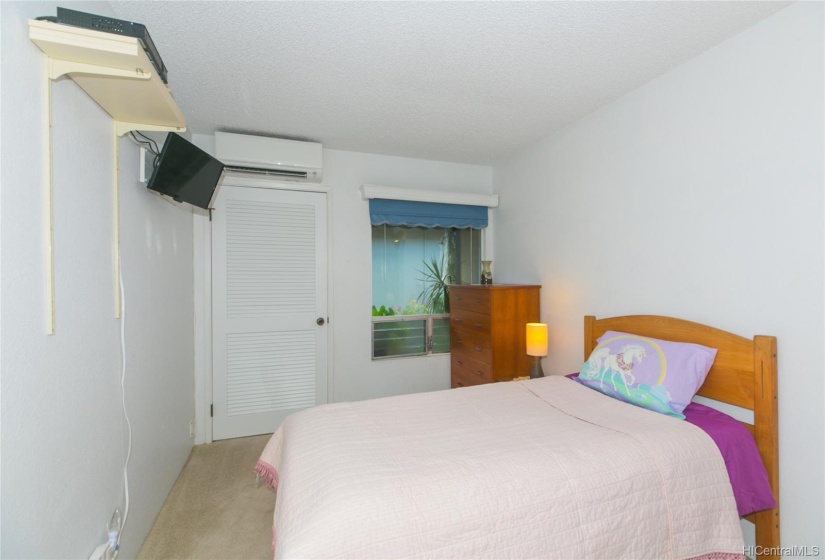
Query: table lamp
<point x="536" y="347"/>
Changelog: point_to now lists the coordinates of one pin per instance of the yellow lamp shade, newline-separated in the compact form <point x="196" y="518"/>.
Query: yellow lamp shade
<point x="536" y="339"/>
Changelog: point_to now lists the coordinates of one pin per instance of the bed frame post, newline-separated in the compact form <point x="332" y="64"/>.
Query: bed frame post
<point x="766" y="432"/>
<point x="588" y="335"/>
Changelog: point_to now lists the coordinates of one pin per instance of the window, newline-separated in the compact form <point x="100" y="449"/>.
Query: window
<point x="411" y="267"/>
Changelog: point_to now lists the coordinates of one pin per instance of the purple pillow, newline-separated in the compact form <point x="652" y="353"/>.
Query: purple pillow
<point x="655" y="374"/>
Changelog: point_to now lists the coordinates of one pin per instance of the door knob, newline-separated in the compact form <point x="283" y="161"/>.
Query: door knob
<point x="320" y="321"/>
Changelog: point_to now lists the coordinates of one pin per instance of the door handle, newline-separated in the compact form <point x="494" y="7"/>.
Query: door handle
<point x="320" y="321"/>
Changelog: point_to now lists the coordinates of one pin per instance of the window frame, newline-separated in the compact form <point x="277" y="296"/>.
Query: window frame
<point x="474" y="244"/>
<point x="428" y="319"/>
<point x="370" y="191"/>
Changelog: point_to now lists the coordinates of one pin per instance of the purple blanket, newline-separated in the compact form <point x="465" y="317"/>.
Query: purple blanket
<point x="747" y="473"/>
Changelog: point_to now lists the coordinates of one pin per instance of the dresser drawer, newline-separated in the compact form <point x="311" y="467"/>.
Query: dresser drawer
<point x="469" y="321"/>
<point x="464" y="379"/>
<point x="473" y="344"/>
<point x="470" y="371"/>
<point x="458" y="379"/>
<point x="477" y="300"/>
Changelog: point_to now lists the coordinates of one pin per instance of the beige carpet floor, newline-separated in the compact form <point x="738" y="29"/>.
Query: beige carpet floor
<point x="215" y="510"/>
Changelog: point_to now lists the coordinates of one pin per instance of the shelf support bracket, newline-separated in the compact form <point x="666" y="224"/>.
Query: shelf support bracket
<point x="127" y="127"/>
<point x="48" y="195"/>
<point x="116" y="226"/>
<point x="58" y="68"/>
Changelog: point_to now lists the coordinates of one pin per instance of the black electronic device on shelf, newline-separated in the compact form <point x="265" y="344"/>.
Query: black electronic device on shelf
<point x="185" y="173"/>
<point x="112" y="25"/>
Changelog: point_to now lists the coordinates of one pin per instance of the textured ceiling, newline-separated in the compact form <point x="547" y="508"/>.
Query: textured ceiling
<point x="455" y="81"/>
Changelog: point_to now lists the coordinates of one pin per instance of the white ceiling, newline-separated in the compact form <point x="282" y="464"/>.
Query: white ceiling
<point x="455" y="81"/>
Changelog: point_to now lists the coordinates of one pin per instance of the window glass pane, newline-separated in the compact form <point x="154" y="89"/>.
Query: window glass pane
<point x="468" y="256"/>
<point x="441" y="335"/>
<point x="399" y="338"/>
<point x="411" y="268"/>
<point x="399" y="254"/>
<point x="408" y="263"/>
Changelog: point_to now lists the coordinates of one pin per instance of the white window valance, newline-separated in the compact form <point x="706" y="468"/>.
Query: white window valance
<point x="420" y="195"/>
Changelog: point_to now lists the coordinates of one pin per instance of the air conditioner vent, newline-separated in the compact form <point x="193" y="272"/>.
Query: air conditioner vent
<point x="290" y="159"/>
<point x="274" y="172"/>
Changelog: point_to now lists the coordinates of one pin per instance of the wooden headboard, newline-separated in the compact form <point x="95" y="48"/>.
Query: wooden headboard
<point x="743" y="374"/>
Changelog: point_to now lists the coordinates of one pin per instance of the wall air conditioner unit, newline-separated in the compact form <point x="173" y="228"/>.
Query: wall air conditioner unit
<point x="288" y="159"/>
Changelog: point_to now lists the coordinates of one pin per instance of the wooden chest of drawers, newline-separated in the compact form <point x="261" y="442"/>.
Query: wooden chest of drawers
<point x="487" y="326"/>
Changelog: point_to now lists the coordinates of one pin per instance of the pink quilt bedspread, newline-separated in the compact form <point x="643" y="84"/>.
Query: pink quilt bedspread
<point x="536" y="469"/>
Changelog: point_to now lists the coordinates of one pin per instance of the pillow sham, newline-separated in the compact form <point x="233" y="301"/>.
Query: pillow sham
<point x="659" y="375"/>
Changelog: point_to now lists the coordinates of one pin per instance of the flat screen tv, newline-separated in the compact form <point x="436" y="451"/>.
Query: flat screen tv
<point x="185" y="173"/>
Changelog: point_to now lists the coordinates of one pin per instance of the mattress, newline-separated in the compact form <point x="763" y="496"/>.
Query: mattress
<point x="543" y="468"/>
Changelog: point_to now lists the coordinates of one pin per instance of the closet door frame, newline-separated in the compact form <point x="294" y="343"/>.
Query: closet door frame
<point x="203" y="295"/>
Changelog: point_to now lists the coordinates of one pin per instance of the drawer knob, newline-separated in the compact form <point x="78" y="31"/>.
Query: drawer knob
<point x="459" y="362"/>
<point x="477" y="349"/>
<point x="477" y="325"/>
<point x="478" y="373"/>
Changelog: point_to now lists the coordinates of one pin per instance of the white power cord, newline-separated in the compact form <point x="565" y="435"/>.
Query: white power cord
<point x="110" y="549"/>
<point x="125" y="414"/>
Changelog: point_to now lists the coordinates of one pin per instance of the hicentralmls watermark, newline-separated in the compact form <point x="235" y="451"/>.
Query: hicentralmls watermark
<point x="756" y="551"/>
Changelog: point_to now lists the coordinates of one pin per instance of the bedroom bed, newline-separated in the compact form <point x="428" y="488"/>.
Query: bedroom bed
<point x="545" y="468"/>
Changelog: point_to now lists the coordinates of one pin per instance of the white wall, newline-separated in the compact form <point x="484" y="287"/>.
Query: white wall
<point x="700" y="196"/>
<point x="63" y="437"/>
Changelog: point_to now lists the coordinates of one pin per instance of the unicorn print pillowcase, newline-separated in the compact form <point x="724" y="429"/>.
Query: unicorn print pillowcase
<point x="655" y="374"/>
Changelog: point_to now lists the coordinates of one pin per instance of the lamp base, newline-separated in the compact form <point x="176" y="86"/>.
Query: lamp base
<point x="536" y="371"/>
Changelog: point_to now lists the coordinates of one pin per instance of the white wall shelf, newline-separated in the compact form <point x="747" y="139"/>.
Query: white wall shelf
<point x="114" y="71"/>
<point x="118" y="75"/>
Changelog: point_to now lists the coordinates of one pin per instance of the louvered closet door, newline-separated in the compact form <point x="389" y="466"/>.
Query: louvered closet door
<point x="268" y="292"/>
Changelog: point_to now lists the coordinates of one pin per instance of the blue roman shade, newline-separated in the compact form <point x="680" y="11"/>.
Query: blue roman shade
<point x="426" y="214"/>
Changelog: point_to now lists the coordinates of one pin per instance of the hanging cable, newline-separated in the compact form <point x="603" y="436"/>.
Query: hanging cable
<point x="110" y="549"/>
<point x="149" y="144"/>
<point x="125" y="414"/>
<point x="155" y="144"/>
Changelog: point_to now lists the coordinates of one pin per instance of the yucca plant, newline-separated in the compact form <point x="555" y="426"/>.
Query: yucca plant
<point x="436" y="278"/>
